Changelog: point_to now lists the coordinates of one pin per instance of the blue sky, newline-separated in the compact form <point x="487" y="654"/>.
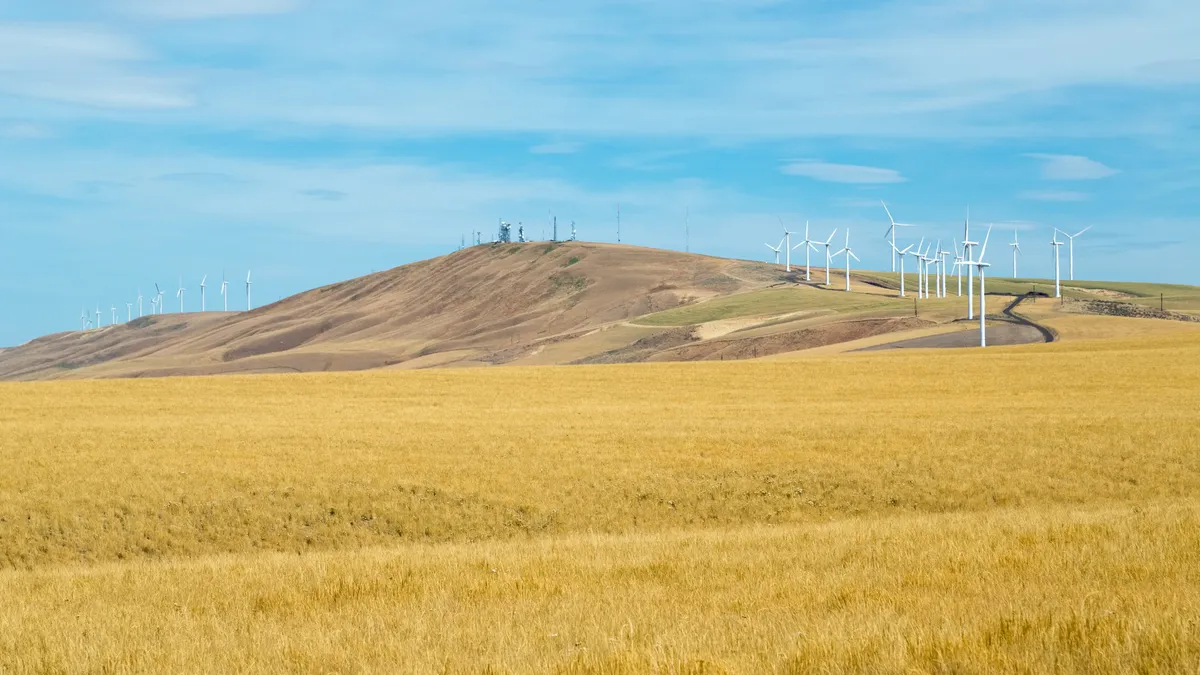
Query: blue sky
<point x="314" y="140"/>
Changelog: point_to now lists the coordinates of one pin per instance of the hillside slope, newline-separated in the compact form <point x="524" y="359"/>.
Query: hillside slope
<point x="482" y="305"/>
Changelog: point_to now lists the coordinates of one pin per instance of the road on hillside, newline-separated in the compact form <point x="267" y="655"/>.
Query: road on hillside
<point x="1012" y="329"/>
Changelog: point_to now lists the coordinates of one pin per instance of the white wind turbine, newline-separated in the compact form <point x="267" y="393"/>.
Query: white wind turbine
<point x="777" y="250"/>
<point x="1071" y="250"/>
<point x="958" y="259"/>
<point x="202" y="281"/>
<point x="808" y="247"/>
<point x="158" y="299"/>
<point x="892" y="232"/>
<point x="98" y="316"/>
<point x="849" y="254"/>
<point x="916" y="253"/>
<point x="179" y="294"/>
<point x="224" y="292"/>
<point x="981" y="266"/>
<point x="83" y="317"/>
<point x="1016" y="247"/>
<point x="901" y="254"/>
<point x="1057" y="276"/>
<point x="828" y="244"/>
<point x="128" y="312"/>
<point x="114" y="316"/>
<point x="930" y="260"/>
<point x="139" y="303"/>
<point x="248" y="291"/>
<point x="942" y="254"/>
<point x="967" y="246"/>
<point x="787" y="243"/>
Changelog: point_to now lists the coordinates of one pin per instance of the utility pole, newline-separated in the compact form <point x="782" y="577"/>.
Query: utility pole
<point x="555" y="227"/>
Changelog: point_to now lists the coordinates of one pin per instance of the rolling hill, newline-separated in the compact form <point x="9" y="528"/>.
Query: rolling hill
<point x="531" y="304"/>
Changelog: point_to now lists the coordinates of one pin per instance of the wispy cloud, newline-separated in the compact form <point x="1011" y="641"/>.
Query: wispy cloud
<point x="25" y="131"/>
<point x="205" y="9"/>
<point x="1055" y="196"/>
<point x="325" y="195"/>
<point x="1071" y="167"/>
<point x="81" y="65"/>
<point x="559" y="148"/>
<point x="842" y="173"/>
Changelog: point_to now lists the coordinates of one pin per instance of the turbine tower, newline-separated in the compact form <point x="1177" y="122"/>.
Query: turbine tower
<point x="849" y="254"/>
<point x="97" y="316"/>
<point x="776" y="249"/>
<point x="248" y="306"/>
<point x="901" y="254"/>
<point x="1057" y="276"/>
<point x="787" y="254"/>
<point x="917" y="254"/>
<point x="1071" y="250"/>
<point x="958" y="259"/>
<point x="158" y="299"/>
<point x="967" y="246"/>
<point x="892" y="232"/>
<point x="982" y="266"/>
<point x="179" y="294"/>
<point x="139" y="303"/>
<point x="83" y="317"/>
<point x="225" y="290"/>
<point x="808" y="247"/>
<point x="202" y="292"/>
<point x="942" y="254"/>
<point x="1016" y="247"/>
<point x="828" y="244"/>
<point x="128" y="312"/>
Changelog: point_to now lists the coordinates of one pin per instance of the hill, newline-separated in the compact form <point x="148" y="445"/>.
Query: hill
<point x="532" y="303"/>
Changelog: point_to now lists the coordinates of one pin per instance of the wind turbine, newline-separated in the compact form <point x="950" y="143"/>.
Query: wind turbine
<point x="828" y="243"/>
<point x="179" y="294"/>
<point x="982" y="266"/>
<point x="901" y="254"/>
<point x="930" y="260"/>
<point x="114" y="316"/>
<point x="83" y="317"/>
<point x="97" y="316"/>
<point x="892" y="232"/>
<point x="1057" y="277"/>
<point x="776" y="249"/>
<point x="917" y="254"/>
<point x="225" y="292"/>
<point x="945" y="272"/>
<point x="139" y="303"/>
<point x="1016" y="247"/>
<point x="158" y="300"/>
<point x="247" y="290"/>
<point x="202" y="292"/>
<point x="967" y="245"/>
<point x="787" y="241"/>
<point x="958" y="259"/>
<point x="128" y="312"/>
<point x="849" y="254"/>
<point x="1071" y="250"/>
<point x="808" y="247"/>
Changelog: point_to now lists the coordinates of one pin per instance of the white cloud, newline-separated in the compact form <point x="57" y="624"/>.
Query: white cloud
<point x="1071" y="167"/>
<point x="842" y="173"/>
<point x="25" y="131"/>
<point x="81" y="64"/>
<point x="206" y="9"/>
<point x="1055" y="196"/>
<point x="558" y="148"/>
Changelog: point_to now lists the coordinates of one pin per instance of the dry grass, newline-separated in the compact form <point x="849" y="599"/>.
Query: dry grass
<point x="874" y="513"/>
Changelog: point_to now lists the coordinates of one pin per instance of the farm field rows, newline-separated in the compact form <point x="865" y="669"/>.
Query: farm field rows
<point x="865" y="513"/>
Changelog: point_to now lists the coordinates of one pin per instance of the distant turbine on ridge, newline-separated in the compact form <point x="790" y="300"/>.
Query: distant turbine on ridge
<point x="849" y="254"/>
<point x="892" y="232"/>
<point x="828" y="244"/>
<point x="179" y="294"/>
<point x="248" y="306"/>
<point x="1071" y="250"/>
<point x="1016" y="247"/>
<point x="1057" y="275"/>
<point x="202" y="292"/>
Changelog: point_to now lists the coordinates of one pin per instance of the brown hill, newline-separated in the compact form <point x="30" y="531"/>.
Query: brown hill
<point x="487" y="304"/>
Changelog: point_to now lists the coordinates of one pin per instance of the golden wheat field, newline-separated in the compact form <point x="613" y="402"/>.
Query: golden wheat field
<point x="1027" y="509"/>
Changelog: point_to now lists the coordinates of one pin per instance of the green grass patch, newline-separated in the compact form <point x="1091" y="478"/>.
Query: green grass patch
<point x="765" y="302"/>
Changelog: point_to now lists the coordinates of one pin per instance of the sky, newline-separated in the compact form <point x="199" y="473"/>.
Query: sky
<point x="310" y="141"/>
